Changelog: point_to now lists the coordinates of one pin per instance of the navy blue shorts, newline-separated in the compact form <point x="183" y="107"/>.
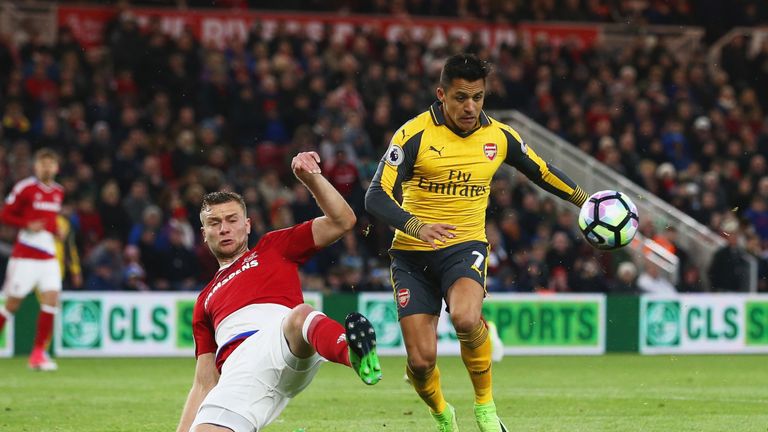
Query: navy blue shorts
<point x="421" y="278"/>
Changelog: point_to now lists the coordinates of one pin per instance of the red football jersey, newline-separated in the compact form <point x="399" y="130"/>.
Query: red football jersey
<point x="265" y="275"/>
<point x="32" y="200"/>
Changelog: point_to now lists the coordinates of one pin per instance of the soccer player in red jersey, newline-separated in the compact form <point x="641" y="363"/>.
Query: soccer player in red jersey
<point x="32" y="206"/>
<point x="257" y="344"/>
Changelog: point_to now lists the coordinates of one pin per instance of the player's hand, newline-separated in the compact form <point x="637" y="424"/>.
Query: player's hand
<point x="433" y="233"/>
<point x="36" y="225"/>
<point x="305" y="163"/>
<point x="77" y="280"/>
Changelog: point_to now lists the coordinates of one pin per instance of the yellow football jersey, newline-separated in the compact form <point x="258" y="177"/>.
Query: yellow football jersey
<point x="66" y="249"/>
<point x="446" y="176"/>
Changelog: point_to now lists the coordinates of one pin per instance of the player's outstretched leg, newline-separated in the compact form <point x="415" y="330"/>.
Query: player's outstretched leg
<point x="361" y="340"/>
<point x="487" y="419"/>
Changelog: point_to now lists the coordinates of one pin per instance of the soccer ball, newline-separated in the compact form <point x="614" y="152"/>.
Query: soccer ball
<point x="608" y="220"/>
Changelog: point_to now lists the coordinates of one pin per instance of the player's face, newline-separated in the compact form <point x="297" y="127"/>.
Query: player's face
<point x="225" y="230"/>
<point x="462" y="103"/>
<point x="46" y="169"/>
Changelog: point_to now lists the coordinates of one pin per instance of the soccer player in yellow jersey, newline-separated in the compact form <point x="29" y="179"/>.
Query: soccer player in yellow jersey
<point x="66" y="252"/>
<point x="444" y="160"/>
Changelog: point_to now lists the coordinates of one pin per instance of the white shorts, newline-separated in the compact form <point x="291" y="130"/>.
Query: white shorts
<point x="257" y="381"/>
<point x="23" y="275"/>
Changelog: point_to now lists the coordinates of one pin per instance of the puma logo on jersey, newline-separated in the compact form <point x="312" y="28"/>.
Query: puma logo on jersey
<point x="439" y="152"/>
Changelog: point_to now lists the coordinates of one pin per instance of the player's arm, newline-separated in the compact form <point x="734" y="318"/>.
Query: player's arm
<point x="206" y="377"/>
<point x="13" y="211"/>
<point x="395" y="167"/>
<point x="9" y="217"/>
<point x="338" y="217"/>
<point x="546" y="176"/>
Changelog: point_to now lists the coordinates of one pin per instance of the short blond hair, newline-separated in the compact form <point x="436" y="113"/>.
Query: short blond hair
<point x="214" y="198"/>
<point x="46" y="153"/>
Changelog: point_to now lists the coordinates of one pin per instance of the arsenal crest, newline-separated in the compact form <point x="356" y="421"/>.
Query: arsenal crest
<point x="490" y="151"/>
<point x="403" y="297"/>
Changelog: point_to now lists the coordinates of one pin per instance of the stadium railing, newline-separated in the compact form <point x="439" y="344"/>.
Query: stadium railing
<point x="756" y="38"/>
<point x="682" y="41"/>
<point x="20" y="20"/>
<point x="696" y="239"/>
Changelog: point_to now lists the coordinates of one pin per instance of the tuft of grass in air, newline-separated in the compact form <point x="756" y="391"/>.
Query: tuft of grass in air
<point x="606" y="393"/>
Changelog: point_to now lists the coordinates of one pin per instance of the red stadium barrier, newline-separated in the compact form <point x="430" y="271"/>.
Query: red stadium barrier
<point x="216" y="28"/>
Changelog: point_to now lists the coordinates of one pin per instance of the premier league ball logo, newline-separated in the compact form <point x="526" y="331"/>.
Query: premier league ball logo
<point x="394" y="155"/>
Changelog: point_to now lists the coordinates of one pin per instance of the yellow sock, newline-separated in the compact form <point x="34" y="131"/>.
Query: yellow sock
<point x="476" y="353"/>
<point x="428" y="388"/>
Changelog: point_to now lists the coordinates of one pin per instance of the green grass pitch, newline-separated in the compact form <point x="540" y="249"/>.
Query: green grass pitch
<point x="606" y="393"/>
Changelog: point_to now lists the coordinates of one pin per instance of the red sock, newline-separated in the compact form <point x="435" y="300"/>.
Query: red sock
<point x="44" y="326"/>
<point x="327" y="337"/>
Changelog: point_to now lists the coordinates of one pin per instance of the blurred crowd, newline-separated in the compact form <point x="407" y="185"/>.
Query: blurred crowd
<point x="150" y="124"/>
<point x="716" y="16"/>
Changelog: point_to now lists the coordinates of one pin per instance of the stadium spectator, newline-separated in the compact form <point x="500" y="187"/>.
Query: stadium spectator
<point x="667" y="238"/>
<point x="626" y="279"/>
<point x="150" y="234"/>
<point x="133" y="277"/>
<point x="728" y="270"/>
<point x="652" y="281"/>
<point x="105" y="265"/>
<point x="560" y="255"/>
<point x="180" y="271"/>
<point x="588" y="277"/>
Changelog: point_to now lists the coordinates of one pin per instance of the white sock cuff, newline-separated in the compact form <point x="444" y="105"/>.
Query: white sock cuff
<point x="53" y="310"/>
<point x="307" y="322"/>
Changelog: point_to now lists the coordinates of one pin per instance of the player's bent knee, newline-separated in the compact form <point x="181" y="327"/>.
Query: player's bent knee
<point x="49" y="298"/>
<point x="12" y="305"/>
<point x="465" y="322"/>
<point x="296" y="330"/>
<point x="420" y="365"/>
<point x="302" y="310"/>
<point x="298" y="315"/>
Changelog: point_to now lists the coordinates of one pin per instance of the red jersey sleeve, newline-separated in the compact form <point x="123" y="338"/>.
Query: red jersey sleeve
<point x="296" y="243"/>
<point x="13" y="211"/>
<point x="202" y="330"/>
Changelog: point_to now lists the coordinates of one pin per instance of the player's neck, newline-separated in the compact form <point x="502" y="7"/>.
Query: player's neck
<point x="226" y="261"/>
